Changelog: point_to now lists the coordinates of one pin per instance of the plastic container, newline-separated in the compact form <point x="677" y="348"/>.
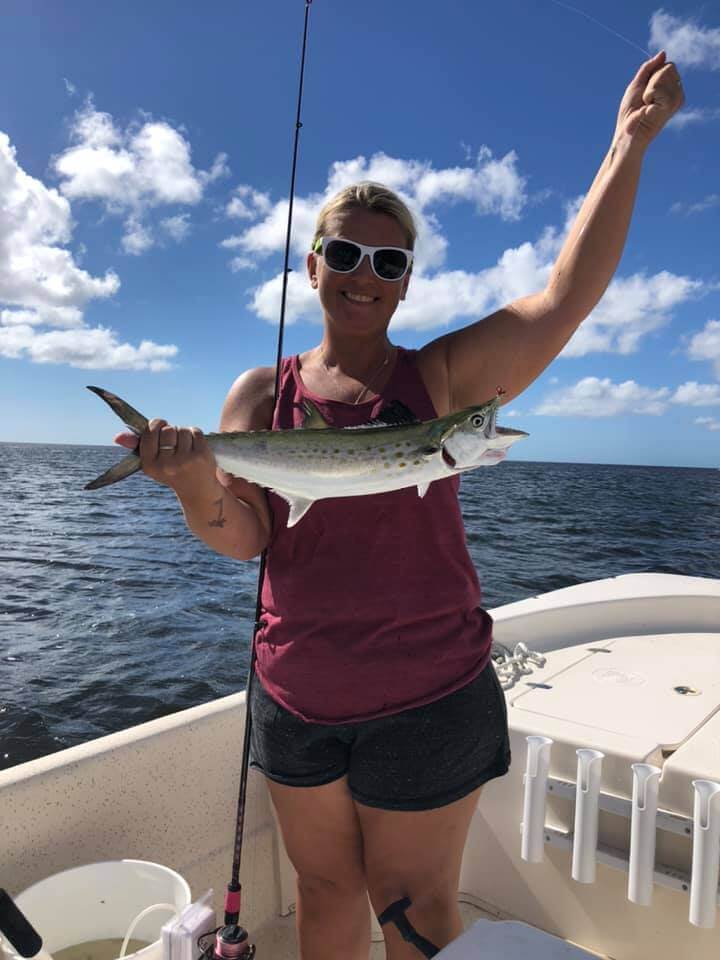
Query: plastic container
<point x="99" y="901"/>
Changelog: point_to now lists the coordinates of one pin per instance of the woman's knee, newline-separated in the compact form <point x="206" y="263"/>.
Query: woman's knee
<point x="426" y="896"/>
<point x="326" y="889"/>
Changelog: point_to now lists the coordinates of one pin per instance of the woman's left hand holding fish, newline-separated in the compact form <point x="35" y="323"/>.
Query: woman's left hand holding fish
<point x="653" y="96"/>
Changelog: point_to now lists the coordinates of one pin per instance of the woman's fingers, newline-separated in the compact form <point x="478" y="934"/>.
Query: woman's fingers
<point x="184" y="442"/>
<point x="167" y="441"/>
<point x="128" y="440"/>
<point x="176" y="456"/>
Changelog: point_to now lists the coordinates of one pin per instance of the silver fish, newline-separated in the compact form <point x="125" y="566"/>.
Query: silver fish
<point x="319" y="461"/>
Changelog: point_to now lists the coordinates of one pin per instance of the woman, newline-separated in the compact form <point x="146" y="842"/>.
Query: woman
<point x="377" y="718"/>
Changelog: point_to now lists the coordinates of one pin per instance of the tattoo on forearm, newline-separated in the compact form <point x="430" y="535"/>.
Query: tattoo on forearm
<point x="219" y="520"/>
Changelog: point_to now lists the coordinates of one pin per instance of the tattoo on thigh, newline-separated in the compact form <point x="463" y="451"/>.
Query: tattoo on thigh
<point x="219" y="520"/>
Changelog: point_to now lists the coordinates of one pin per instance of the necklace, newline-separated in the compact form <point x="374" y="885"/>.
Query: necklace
<point x="371" y="380"/>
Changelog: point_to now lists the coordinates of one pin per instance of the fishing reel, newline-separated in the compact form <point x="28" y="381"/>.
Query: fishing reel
<point x="227" y="943"/>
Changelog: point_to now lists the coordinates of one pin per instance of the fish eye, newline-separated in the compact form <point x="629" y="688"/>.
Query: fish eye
<point x="477" y="420"/>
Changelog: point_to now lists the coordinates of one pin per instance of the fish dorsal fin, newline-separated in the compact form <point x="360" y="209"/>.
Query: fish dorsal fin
<point x="314" y="420"/>
<point x="395" y="414"/>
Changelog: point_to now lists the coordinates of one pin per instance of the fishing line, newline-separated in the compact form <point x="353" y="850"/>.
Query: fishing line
<point x="620" y="36"/>
<point x="228" y="945"/>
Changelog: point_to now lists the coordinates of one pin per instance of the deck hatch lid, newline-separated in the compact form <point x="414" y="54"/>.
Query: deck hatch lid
<point x="632" y="690"/>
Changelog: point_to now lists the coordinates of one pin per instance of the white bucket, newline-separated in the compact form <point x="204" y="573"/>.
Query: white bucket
<point x="99" y="901"/>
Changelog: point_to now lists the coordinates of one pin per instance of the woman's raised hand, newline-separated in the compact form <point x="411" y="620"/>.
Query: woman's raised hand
<point x="655" y="93"/>
<point x="178" y="457"/>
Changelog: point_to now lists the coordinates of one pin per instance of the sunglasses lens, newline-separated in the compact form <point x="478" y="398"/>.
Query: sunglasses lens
<point x="342" y="256"/>
<point x="390" y="264"/>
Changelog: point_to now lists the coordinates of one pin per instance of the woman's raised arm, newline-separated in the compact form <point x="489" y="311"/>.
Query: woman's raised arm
<point x="512" y="347"/>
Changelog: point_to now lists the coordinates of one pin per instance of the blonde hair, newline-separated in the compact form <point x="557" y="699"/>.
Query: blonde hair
<point x="366" y="195"/>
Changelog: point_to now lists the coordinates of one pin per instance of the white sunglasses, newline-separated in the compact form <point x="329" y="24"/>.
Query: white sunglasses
<point x="344" y="256"/>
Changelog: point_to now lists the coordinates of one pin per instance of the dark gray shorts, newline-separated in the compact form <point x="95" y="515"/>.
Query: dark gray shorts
<point x="418" y="759"/>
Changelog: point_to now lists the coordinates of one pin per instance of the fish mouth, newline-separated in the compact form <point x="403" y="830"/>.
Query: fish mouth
<point x="448" y="458"/>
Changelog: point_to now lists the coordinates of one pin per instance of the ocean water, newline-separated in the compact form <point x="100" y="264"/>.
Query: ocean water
<point x="112" y="613"/>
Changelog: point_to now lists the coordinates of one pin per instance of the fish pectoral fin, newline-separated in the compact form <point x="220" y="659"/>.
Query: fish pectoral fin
<point x="299" y="506"/>
<point x="429" y="450"/>
<point x="314" y="420"/>
<point x="125" y="468"/>
<point x="422" y="489"/>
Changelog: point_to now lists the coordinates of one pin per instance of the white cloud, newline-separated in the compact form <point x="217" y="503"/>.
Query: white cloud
<point x="268" y="236"/>
<point x="64" y="317"/>
<point x="302" y="300"/>
<point x="35" y="222"/>
<point x="137" y="237"/>
<point x="687" y="43"/>
<point x="96" y="349"/>
<point x="593" y="397"/>
<point x="131" y="171"/>
<point x="43" y="292"/>
<point x="684" y="118"/>
<point x="710" y="201"/>
<point x="631" y="308"/>
<point x="493" y="186"/>
<point x="247" y="203"/>
<point x="447" y="296"/>
<point x="218" y="170"/>
<point x="177" y="227"/>
<point x="710" y="423"/>
<point x="242" y="263"/>
<point x="69" y="87"/>
<point x="696" y="394"/>
<point x="706" y="344"/>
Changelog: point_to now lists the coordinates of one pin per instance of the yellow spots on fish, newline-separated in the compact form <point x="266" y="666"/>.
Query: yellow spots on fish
<point x="416" y="463"/>
<point x="402" y="464"/>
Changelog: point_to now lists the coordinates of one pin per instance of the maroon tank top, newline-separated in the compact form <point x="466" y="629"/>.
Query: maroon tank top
<point x="370" y="604"/>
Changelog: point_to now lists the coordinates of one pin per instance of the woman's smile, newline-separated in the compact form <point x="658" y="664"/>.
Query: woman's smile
<point x="358" y="297"/>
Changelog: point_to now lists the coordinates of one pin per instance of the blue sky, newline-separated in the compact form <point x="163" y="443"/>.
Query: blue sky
<point x="144" y="167"/>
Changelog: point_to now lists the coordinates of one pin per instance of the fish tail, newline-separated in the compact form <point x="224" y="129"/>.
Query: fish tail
<point x="127" y="466"/>
<point x="137" y="423"/>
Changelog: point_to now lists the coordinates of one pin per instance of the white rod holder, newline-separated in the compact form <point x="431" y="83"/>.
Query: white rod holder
<point x="587" y="793"/>
<point x="646" y="783"/>
<point x="536" y="776"/>
<point x="706" y="854"/>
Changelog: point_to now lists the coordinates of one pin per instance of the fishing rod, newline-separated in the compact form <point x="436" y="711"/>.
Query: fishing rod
<point x="231" y="940"/>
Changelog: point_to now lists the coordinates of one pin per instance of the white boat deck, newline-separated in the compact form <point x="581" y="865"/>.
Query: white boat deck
<point x="633" y="671"/>
<point x="276" y="940"/>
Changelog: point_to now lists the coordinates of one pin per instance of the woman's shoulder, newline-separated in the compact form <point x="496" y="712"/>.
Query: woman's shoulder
<point x="249" y="403"/>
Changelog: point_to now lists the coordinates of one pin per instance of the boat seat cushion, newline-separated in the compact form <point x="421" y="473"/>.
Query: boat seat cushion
<point x="510" y="940"/>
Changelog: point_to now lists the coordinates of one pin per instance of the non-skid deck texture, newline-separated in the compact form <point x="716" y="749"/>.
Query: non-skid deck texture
<point x="519" y="942"/>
